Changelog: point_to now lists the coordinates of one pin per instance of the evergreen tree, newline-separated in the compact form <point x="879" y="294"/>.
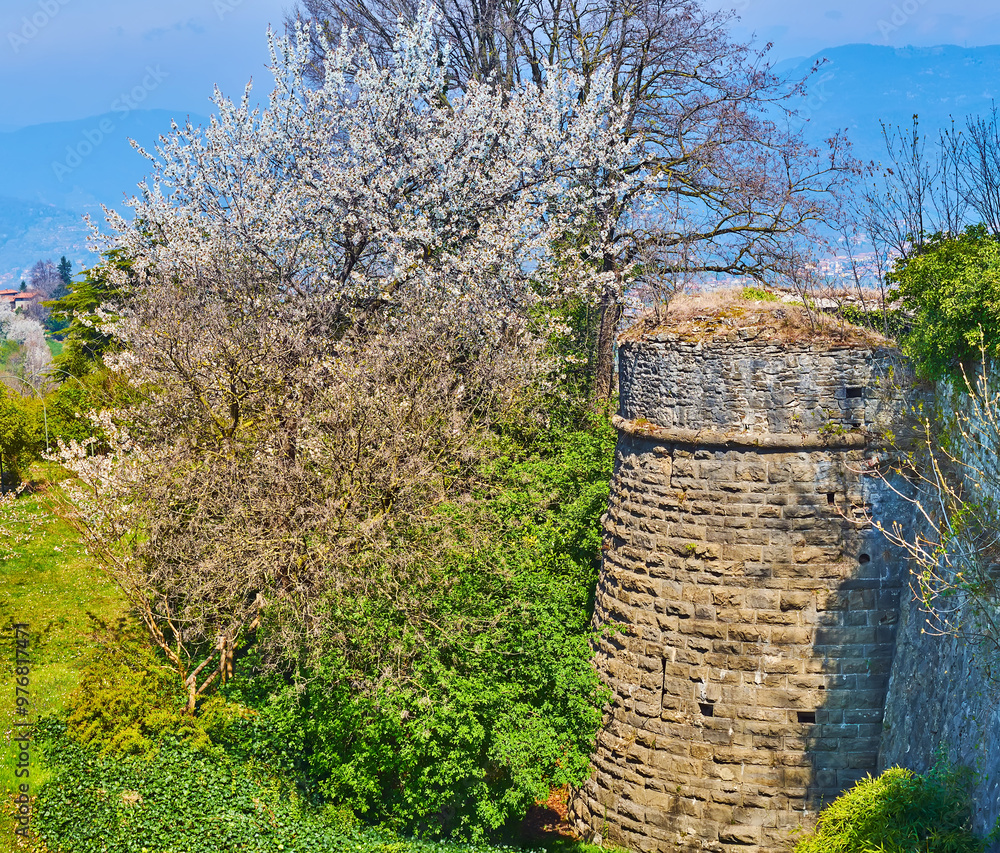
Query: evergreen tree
<point x="71" y="315"/>
<point x="65" y="270"/>
<point x="65" y="280"/>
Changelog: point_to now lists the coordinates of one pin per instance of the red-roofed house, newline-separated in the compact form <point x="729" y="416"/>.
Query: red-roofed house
<point x="26" y="298"/>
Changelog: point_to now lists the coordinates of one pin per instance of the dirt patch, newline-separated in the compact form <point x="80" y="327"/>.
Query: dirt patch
<point x="547" y="820"/>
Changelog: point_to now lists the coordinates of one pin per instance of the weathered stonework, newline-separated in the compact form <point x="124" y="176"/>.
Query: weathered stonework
<point x="940" y="698"/>
<point x="942" y="694"/>
<point x="749" y="613"/>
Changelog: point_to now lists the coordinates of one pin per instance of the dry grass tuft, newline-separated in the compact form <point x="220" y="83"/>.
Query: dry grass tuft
<point x="729" y="315"/>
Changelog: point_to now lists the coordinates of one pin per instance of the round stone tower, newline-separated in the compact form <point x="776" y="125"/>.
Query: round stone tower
<point x="748" y="611"/>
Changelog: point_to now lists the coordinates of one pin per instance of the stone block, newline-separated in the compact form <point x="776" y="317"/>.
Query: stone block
<point x="797" y="600"/>
<point x="718" y="813"/>
<point x="783" y="634"/>
<point x="632" y="810"/>
<point x="727" y="598"/>
<point x="741" y="755"/>
<point x="826" y="780"/>
<point x="723" y="772"/>
<point x="738" y="553"/>
<point x="702" y="628"/>
<point x="741" y="835"/>
<point x="746" y="819"/>
<point x="864" y="715"/>
<point x="843" y="636"/>
<point x="794" y="758"/>
<point x="768" y="741"/>
<point x="863" y="761"/>
<point x="762" y="599"/>
<point x="810" y="682"/>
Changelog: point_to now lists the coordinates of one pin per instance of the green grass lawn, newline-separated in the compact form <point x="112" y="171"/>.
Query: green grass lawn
<point x="48" y="582"/>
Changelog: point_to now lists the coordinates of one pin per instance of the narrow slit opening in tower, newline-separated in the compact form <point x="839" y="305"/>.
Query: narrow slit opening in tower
<point x="831" y="497"/>
<point x="707" y="709"/>
<point x="806" y="716"/>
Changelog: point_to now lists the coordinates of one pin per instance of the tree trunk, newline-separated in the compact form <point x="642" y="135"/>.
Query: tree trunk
<point x="604" y="368"/>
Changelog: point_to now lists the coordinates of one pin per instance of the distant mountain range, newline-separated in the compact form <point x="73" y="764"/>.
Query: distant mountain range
<point x="51" y="174"/>
<point x="860" y="85"/>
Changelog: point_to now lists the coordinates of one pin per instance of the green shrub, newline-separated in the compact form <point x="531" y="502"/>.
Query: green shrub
<point x="184" y="800"/>
<point x="899" y="812"/>
<point x="127" y="701"/>
<point x="892" y="323"/>
<point x="952" y="287"/>
<point x="19" y="435"/>
<point x="758" y="294"/>
<point x="72" y="400"/>
<point x="502" y="702"/>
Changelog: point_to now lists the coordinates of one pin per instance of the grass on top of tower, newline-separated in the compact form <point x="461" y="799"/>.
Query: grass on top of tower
<point x="755" y="314"/>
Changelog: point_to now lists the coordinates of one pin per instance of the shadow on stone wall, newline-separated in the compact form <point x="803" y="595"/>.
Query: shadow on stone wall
<point x="854" y="642"/>
<point x="750" y="684"/>
<point x="840" y="583"/>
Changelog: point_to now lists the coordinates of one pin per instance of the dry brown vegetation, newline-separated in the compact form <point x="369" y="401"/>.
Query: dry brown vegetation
<point x="729" y="315"/>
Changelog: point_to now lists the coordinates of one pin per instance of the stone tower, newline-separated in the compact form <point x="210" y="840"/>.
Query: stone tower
<point x="749" y="613"/>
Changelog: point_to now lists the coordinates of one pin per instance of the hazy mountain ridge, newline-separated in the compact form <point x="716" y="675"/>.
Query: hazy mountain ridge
<point x="31" y="231"/>
<point x="54" y="173"/>
<point x="860" y="85"/>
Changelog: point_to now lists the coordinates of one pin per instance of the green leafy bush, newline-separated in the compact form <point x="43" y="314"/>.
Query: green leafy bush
<point x="758" y="294"/>
<point x="891" y="322"/>
<point x="128" y="702"/>
<point x="899" y="812"/>
<point x="502" y="703"/>
<point x="19" y="435"/>
<point x="73" y="399"/>
<point x="952" y="286"/>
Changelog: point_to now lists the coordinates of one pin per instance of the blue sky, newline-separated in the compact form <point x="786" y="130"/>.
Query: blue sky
<point x="71" y="59"/>
<point x="805" y="27"/>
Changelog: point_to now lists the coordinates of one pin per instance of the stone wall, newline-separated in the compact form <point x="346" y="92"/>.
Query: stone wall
<point x="762" y="388"/>
<point x="940" y="694"/>
<point x="749" y="613"/>
<point x="940" y="699"/>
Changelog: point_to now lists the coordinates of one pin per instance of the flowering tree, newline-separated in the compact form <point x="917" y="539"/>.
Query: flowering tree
<point x="328" y="302"/>
<point x="34" y="358"/>
<point x="45" y="277"/>
<point x="729" y="188"/>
